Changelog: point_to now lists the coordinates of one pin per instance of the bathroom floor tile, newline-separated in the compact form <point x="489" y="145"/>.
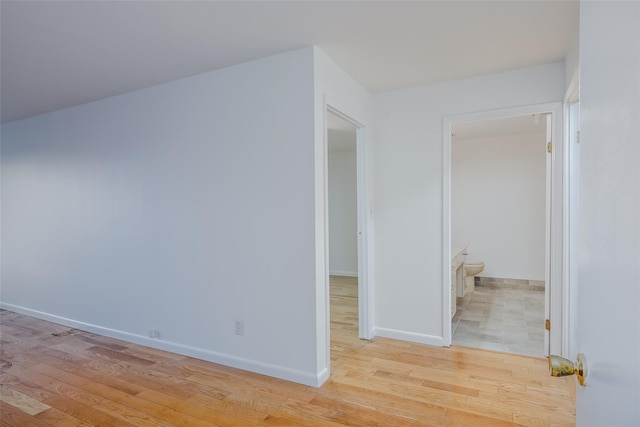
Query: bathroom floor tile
<point x="494" y="318"/>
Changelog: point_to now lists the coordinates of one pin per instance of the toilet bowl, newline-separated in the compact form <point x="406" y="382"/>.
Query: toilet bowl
<point x="472" y="269"/>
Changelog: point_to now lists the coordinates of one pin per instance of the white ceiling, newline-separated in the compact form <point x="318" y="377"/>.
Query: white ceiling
<point x="55" y="54"/>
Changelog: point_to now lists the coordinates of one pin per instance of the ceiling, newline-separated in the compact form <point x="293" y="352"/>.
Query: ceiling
<point x="56" y="54"/>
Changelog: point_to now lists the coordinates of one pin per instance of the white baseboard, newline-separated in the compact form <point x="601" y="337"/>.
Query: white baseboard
<point x="410" y="336"/>
<point x="344" y="273"/>
<point x="313" y="380"/>
<point x="322" y="377"/>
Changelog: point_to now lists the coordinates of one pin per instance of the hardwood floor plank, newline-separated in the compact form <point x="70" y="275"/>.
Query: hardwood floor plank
<point x="119" y="356"/>
<point x="451" y="388"/>
<point x="78" y="410"/>
<point x="12" y="416"/>
<point x="383" y="401"/>
<point x="21" y="401"/>
<point x="228" y="414"/>
<point x="166" y="414"/>
<point x="351" y="413"/>
<point x="399" y="389"/>
<point x="131" y="415"/>
<point x="94" y="386"/>
<point x="51" y="388"/>
<point x="21" y="384"/>
<point x="308" y="410"/>
<point x="470" y="418"/>
<point x="57" y="418"/>
<point x="273" y="421"/>
<point x="103" y="342"/>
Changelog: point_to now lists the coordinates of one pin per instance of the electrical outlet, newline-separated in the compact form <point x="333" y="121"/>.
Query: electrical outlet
<point x="239" y="327"/>
<point x="154" y="333"/>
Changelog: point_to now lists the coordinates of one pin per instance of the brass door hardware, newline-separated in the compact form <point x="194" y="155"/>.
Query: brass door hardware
<point x="561" y="367"/>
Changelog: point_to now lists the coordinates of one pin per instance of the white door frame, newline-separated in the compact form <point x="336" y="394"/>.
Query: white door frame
<point x="572" y="122"/>
<point x="365" y="250"/>
<point x="555" y="251"/>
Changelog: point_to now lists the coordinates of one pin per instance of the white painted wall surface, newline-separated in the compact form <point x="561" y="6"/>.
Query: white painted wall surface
<point x="572" y="70"/>
<point x="176" y="208"/>
<point x="408" y="189"/>
<point x="343" y="225"/>
<point x="498" y="203"/>
<point x="609" y="222"/>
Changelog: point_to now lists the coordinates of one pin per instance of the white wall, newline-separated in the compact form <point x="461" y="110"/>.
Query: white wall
<point x="609" y="221"/>
<point x="343" y="225"/>
<point x="572" y="69"/>
<point x="408" y="179"/>
<point x="176" y="208"/>
<point x="498" y="203"/>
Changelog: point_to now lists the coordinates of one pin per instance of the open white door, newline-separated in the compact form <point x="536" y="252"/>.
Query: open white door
<point x="608" y="330"/>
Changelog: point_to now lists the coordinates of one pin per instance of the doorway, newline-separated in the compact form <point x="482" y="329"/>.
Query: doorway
<point x="343" y="231"/>
<point x="537" y="271"/>
<point x="499" y="185"/>
<point x="335" y="121"/>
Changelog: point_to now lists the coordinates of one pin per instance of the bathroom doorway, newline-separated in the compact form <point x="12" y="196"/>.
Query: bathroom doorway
<point x="501" y="195"/>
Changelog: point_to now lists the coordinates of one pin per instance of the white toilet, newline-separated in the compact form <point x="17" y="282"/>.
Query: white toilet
<point x="471" y="269"/>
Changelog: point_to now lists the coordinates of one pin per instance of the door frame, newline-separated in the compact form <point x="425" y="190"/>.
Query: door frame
<point x="572" y="187"/>
<point x="555" y="251"/>
<point x="364" y="232"/>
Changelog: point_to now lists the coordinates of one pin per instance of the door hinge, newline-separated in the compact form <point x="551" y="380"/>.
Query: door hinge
<point x="549" y="146"/>
<point x="547" y="324"/>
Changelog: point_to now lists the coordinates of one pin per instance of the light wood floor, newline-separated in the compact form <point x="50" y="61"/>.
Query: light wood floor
<point x="54" y="376"/>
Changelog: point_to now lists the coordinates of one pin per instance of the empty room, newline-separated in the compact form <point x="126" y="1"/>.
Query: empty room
<point x="171" y="249"/>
